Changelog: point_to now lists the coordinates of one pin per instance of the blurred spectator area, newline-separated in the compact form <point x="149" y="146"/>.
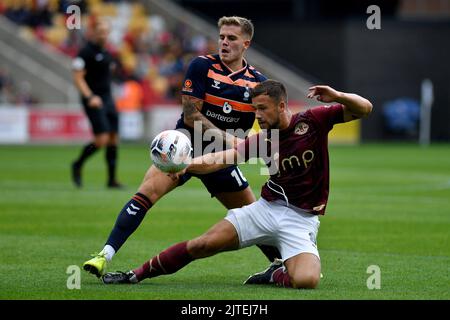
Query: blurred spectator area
<point x="14" y="93"/>
<point x="151" y="58"/>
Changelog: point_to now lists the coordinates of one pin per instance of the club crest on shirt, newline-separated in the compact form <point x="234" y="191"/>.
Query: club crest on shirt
<point x="187" y="85"/>
<point x="99" y="57"/>
<point x="301" y="128"/>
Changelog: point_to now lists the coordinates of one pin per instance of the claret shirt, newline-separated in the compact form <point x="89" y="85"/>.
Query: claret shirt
<point x="302" y="178"/>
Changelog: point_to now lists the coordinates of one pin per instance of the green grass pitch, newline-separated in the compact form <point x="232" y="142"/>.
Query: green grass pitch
<point x="389" y="206"/>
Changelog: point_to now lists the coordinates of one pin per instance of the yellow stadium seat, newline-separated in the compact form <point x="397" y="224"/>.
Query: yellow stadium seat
<point x="108" y="9"/>
<point x="92" y="3"/>
<point x="59" y="20"/>
<point x="26" y="33"/>
<point x="28" y="4"/>
<point x="53" y="5"/>
<point x="137" y="10"/>
<point x="56" y="35"/>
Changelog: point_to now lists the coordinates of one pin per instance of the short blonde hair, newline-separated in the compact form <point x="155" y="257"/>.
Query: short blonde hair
<point x="245" y="24"/>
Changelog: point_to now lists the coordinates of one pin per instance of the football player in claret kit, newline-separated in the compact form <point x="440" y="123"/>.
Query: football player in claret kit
<point x="287" y="214"/>
<point x="216" y="95"/>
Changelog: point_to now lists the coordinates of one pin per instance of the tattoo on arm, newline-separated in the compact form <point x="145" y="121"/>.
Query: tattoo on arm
<point x="191" y="109"/>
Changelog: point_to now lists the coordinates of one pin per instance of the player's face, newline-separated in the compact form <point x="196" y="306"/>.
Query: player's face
<point x="102" y="33"/>
<point x="267" y="112"/>
<point x="232" y="44"/>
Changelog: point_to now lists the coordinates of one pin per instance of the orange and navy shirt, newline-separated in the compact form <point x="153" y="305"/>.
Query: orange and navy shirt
<point x="225" y="94"/>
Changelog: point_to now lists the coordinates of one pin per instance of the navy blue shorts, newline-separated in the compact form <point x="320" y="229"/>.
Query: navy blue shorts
<point x="104" y="119"/>
<point x="229" y="179"/>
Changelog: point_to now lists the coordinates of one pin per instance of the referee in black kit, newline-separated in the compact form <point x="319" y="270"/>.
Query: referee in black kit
<point x="92" y="76"/>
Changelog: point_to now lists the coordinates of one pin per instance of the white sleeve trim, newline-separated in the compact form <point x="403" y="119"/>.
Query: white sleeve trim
<point x="78" y="64"/>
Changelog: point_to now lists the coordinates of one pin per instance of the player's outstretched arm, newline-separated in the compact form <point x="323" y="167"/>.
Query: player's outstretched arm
<point x="355" y="106"/>
<point x="208" y="163"/>
<point x="213" y="161"/>
<point x="191" y="109"/>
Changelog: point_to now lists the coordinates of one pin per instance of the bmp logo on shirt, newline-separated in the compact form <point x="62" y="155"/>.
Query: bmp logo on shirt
<point x="216" y="84"/>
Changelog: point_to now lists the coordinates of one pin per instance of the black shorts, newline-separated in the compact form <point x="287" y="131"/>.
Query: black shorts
<point x="229" y="179"/>
<point x="104" y="119"/>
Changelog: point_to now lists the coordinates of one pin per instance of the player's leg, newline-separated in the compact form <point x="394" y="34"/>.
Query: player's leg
<point x="221" y="237"/>
<point x="113" y="141"/>
<point x="300" y="271"/>
<point x="100" y="140"/>
<point x="233" y="179"/>
<point x="154" y="185"/>
<point x="296" y="238"/>
<point x="303" y="271"/>
<point x="111" y="160"/>
<point x="99" y="125"/>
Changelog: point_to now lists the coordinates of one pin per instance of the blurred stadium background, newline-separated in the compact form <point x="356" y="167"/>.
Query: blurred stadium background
<point x="403" y="68"/>
<point x="301" y="42"/>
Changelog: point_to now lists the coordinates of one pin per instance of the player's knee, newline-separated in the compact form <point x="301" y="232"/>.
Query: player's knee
<point x="152" y="195"/>
<point x="305" y="280"/>
<point x="113" y="139"/>
<point x="153" y="186"/>
<point x="101" y="140"/>
<point x="148" y="189"/>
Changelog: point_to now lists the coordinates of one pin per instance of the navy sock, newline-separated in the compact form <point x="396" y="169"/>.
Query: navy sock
<point x="88" y="151"/>
<point x="111" y="160"/>
<point x="128" y="220"/>
<point x="270" y="252"/>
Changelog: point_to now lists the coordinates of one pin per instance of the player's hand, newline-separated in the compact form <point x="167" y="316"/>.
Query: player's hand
<point x="323" y="93"/>
<point x="176" y="175"/>
<point x="95" y="102"/>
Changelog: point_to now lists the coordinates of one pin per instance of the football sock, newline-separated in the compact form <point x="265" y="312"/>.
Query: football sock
<point x="168" y="261"/>
<point x="109" y="252"/>
<point x="111" y="160"/>
<point x="270" y="252"/>
<point x="130" y="217"/>
<point x="281" y="278"/>
<point x="88" y="151"/>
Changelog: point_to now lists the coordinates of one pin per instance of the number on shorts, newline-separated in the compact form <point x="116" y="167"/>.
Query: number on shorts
<point x="237" y="174"/>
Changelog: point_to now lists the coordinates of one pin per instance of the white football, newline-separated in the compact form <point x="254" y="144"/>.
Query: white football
<point x="171" y="151"/>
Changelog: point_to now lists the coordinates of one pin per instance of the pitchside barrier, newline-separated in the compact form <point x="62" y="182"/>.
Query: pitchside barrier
<point x="47" y="125"/>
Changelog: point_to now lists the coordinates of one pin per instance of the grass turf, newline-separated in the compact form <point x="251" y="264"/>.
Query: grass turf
<point x="389" y="206"/>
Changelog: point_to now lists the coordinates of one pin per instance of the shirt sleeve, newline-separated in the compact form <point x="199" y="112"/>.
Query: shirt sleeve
<point x="79" y="62"/>
<point x="195" y="79"/>
<point x="249" y="148"/>
<point x="328" y="116"/>
<point x="260" y="76"/>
